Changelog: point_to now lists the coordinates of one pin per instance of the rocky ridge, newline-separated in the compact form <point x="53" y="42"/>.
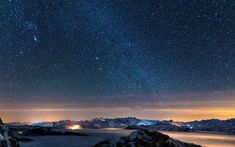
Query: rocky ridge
<point x="6" y="138"/>
<point x="145" y="138"/>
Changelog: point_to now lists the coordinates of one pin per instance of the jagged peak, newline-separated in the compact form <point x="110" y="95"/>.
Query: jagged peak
<point x="1" y="122"/>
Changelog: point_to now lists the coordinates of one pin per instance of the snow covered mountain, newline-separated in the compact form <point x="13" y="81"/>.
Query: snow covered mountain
<point x="213" y="125"/>
<point x="6" y="138"/>
<point x="96" y="123"/>
<point x="43" y="124"/>
<point x="145" y="138"/>
<point x="110" y="123"/>
<point x="161" y="126"/>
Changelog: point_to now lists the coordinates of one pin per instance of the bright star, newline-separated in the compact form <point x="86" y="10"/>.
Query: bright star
<point x="35" y="38"/>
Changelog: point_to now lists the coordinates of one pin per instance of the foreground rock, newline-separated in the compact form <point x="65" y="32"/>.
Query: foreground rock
<point x="6" y="138"/>
<point x="145" y="138"/>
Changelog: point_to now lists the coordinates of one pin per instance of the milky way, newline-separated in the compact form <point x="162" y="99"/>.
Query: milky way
<point x="98" y="51"/>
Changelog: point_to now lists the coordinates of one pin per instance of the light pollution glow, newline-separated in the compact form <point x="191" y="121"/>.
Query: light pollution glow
<point x="161" y="114"/>
<point x="183" y="109"/>
<point x="74" y="127"/>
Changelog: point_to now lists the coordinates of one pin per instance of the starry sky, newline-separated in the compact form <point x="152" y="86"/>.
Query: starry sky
<point x="126" y="53"/>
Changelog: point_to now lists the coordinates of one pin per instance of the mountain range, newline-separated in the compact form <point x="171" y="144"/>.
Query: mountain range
<point x="212" y="125"/>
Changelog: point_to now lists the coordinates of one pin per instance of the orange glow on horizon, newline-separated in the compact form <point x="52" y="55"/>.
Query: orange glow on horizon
<point x="178" y="107"/>
<point x="177" y="114"/>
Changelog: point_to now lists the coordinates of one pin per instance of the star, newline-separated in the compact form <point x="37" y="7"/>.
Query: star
<point x="80" y="50"/>
<point x="226" y="65"/>
<point x="35" y="38"/>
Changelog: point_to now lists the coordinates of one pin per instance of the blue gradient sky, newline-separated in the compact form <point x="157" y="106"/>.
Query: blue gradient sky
<point x="85" y="53"/>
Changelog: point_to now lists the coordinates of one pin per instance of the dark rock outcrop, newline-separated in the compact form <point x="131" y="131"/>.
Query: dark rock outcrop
<point x="6" y="137"/>
<point x="145" y="138"/>
<point x="1" y="122"/>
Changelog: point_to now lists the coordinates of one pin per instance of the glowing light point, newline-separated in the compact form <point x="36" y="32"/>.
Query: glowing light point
<point x="35" y="38"/>
<point x="74" y="127"/>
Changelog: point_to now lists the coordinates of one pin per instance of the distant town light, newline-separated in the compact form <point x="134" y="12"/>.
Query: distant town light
<point x="74" y="127"/>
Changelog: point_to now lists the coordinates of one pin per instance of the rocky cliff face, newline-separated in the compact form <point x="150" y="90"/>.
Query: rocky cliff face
<point x="6" y="138"/>
<point x="145" y="138"/>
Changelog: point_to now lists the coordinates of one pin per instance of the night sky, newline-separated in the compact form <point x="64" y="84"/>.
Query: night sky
<point x="120" y="53"/>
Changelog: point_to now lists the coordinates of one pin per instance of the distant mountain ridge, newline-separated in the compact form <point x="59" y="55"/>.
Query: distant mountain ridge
<point x="212" y="125"/>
